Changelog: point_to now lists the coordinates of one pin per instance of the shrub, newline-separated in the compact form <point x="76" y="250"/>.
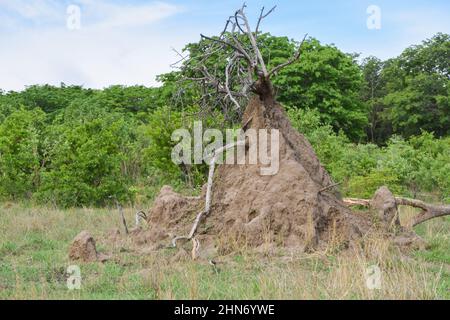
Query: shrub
<point x="21" y="152"/>
<point x="86" y="164"/>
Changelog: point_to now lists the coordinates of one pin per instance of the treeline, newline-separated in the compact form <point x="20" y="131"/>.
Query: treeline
<point x="371" y="123"/>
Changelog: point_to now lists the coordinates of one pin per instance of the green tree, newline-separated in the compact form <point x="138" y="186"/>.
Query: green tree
<point x="418" y="85"/>
<point x="21" y="135"/>
<point x="49" y="98"/>
<point x="134" y="100"/>
<point x="87" y="151"/>
<point x="373" y="92"/>
<point x="326" y="79"/>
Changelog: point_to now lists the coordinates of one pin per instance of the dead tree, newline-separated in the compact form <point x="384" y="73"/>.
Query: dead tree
<point x="242" y="69"/>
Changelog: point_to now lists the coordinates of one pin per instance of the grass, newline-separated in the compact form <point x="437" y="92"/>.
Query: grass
<point x="34" y="242"/>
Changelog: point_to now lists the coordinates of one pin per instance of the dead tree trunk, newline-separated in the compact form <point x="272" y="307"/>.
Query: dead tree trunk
<point x="429" y="211"/>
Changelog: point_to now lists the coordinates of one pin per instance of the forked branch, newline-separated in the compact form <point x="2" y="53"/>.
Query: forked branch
<point x="275" y="70"/>
<point x="262" y="16"/>
<point x="429" y="211"/>
<point x="251" y="36"/>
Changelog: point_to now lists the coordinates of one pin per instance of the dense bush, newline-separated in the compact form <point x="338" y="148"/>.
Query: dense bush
<point x="419" y="164"/>
<point x="87" y="161"/>
<point x="21" y="154"/>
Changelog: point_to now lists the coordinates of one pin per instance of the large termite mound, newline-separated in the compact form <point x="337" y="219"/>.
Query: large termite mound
<point x="297" y="207"/>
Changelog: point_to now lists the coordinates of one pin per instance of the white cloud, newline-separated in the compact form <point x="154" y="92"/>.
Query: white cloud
<point x="115" y="15"/>
<point x="33" y="9"/>
<point x="412" y="26"/>
<point x="400" y="29"/>
<point x="94" y="59"/>
<point x="114" y="46"/>
<point x="98" y="13"/>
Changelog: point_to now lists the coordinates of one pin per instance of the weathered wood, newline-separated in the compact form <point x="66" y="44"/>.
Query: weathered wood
<point x="429" y="211"/>
<point x="356" y="202"/>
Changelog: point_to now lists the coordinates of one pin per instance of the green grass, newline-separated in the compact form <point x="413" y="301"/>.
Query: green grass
<point x="437" y="254"/>
<point x="34" y="243"/>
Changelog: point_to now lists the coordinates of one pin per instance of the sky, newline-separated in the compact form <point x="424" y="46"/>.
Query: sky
<point x="98" y="43"/>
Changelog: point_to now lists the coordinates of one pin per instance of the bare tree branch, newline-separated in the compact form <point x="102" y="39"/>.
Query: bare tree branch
<point x="356" y="202"/>
<point x="227" y="83"/>
<point x="182" y="58"/>
<point x="262" y="16"/>
<point x="290" y="61"/>
<point x="329" y="187"/>
<point x="429" y="211"/>
<point x="228" y="87"/>
<point x="225" y="43"/>
<point x="241" y="15"/>
<point x="122" y="216"/>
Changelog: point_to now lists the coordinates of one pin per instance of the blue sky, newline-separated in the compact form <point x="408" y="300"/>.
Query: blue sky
<point x="130" y="42"/>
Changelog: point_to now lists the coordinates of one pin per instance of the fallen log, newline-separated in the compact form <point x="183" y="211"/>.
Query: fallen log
<point x="429" y="211"/>
<point x="357" y="202"/>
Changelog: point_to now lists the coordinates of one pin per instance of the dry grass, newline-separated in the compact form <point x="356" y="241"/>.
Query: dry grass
<point x="33" y="261"/>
